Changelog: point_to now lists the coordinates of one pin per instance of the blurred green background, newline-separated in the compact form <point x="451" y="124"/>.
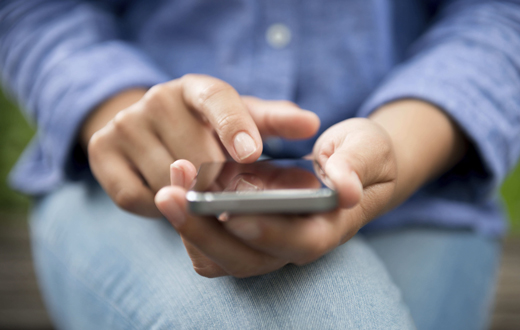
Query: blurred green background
<point x="15" y="133"/>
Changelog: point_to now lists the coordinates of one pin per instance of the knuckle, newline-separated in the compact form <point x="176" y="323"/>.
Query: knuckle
<point x="99" y="142"/>
<point x="156" y="91"/>
<point x="214" y="90"/>
<point x="95" y="143"/>
<point x="156" y="99"/>
<point x="228" y="122"/>
<point x="123" y="122"/>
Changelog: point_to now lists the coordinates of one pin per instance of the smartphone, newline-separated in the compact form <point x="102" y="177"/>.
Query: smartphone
<point x="287" y="186"/>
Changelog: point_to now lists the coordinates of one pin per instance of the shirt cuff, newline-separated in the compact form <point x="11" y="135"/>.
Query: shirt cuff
<point x="445" y="78"/>
<point x="69" y="92"/>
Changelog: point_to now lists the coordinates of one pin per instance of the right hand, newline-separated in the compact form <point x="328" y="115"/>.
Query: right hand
<point x="196" y="117"/>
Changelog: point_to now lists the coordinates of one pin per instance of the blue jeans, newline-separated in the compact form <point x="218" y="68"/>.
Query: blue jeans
<point x="102" y="268"/>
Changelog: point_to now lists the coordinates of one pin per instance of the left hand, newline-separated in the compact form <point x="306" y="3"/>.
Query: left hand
<point x="358" y="157"/>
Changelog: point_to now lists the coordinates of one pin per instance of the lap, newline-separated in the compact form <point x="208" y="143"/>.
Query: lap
<point x="100" y="267"/>
<point x="447" y="277"/>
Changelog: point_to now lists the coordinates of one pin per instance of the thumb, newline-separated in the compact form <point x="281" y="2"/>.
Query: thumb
<point x="182" y="173"/>
<point x="171" y="201"/>
<point x="358" y="157"/>
<point x="282" y="118"/>
<point x="345" y="179"/>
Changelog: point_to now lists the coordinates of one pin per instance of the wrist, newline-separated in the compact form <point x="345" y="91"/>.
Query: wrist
<point x="427" y="143"/>
<point x="107" y="110"/>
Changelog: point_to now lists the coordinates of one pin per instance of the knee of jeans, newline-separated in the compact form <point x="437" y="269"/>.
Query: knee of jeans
<point x="348" y="288"/>
<point x="77" y="259"/>
<point x="50" y="211"/>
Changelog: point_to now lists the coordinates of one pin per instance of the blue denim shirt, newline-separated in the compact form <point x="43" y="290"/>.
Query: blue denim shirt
<point x="340" y="59"/>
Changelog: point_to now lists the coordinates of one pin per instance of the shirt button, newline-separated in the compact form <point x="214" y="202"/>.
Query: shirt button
<point x="278" y="35"/>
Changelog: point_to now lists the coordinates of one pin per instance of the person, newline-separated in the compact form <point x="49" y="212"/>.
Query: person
<point x="413" y="114"/>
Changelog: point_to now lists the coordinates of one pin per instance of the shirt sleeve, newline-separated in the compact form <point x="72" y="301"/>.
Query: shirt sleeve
<point x="468" y="64"/>
<point x="60" y="59"/>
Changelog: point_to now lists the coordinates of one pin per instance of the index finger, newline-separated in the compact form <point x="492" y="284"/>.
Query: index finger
<point x="211" y="239"/>
<point x="222" y="106"/>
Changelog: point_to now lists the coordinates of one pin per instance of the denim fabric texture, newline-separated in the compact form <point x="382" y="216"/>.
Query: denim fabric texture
<point x="341" y="59"/>
<point x="102" y="268"/>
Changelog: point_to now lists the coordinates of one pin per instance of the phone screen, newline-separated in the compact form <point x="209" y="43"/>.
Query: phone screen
<point x="294" y="186"/>
<point x="265" y="176"/>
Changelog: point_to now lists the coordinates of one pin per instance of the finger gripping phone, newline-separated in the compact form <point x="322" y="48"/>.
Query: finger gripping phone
<point x="285" y="186"/>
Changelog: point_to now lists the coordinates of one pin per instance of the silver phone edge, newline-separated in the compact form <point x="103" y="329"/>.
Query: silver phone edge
<point x="283" y="205"/>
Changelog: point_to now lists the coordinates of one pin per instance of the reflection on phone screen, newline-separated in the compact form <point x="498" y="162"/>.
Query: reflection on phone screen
<point x="258" y="176"/>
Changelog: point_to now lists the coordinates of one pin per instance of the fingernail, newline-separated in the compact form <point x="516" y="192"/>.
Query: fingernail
<point x="224" y="216"/>
<point x="170" y="209"/>
<point x="246" y="230"/>
<point x="176" y="176"/>
<point x="332" y="173"/>
<point x="244" y="145"/>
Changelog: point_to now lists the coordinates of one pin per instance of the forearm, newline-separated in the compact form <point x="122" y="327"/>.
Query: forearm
<point x="467" y="65"/>
<point x="427" y="143"/>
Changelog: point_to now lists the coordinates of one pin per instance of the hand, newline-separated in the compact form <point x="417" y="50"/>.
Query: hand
<point x="253" y="245"/>
<point x="196" y="117"/>
<point x="370" y="163"/>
